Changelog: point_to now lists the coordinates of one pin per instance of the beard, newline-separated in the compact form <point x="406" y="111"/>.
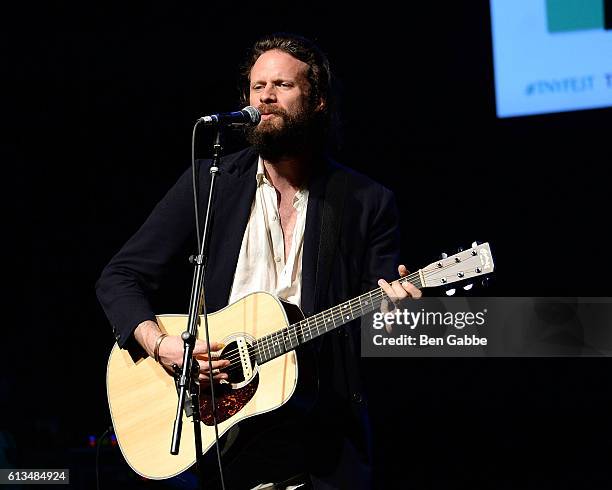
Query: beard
<point x="287" y="135"/>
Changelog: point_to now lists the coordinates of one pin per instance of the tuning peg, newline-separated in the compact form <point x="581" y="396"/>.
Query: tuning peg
<point x="460" y="249"/>
<point x="485" y="282"/>
<point x="450" y="292"/>
<point x="443" y="255"/>
<point x="469" y="286"/>
<point x="475" y="244"/>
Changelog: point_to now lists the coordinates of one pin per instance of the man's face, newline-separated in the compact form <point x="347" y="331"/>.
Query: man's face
<point x="290" y="122"/>
<point x="279" y="88"/>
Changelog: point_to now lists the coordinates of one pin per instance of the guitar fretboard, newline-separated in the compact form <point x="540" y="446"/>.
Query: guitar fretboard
<point x="282" y="341"/>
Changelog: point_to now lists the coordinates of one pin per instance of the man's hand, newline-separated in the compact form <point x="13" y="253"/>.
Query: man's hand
<point x="171" y="351"/>
<point x="397" y="292"/>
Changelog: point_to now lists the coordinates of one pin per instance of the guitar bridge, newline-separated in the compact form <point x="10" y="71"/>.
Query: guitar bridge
<point x="245" y="358"/>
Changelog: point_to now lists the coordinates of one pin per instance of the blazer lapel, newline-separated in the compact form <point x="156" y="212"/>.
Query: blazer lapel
<point x="310" y="257"/>
<point x="233" y="200"/>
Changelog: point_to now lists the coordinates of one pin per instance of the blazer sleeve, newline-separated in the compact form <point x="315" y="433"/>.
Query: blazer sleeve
<point x="126" y="283"/>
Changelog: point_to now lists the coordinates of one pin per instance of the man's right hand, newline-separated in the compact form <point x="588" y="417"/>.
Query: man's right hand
<point x="171" y="351"/>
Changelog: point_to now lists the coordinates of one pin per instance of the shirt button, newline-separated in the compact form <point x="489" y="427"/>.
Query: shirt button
<point x="356" y="397"/>
<point x="277" y="259"/>
<point x="274" y="218"/>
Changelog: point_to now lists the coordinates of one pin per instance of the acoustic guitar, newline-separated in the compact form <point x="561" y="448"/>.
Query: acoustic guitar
<point x="260" y="336"/>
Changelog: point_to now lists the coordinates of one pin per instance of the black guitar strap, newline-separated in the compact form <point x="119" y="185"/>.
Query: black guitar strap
<point x="331" y="224"/>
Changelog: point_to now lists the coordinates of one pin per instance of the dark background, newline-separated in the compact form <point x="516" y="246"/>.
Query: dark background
<point x="99" y="108"/>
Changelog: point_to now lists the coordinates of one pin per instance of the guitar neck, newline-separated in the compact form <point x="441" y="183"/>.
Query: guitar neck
<point x="466" y="264"/>
<point x="287" y="339"/>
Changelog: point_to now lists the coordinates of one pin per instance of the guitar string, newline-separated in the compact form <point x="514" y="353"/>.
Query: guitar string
<point x="279" y="346"/>
<point x="320" y="319"/>
<point x="272" y="349"/>
<point x="279" y="336"/>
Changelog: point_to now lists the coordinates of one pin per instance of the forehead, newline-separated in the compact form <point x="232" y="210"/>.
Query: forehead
<point x="278" y="64"/>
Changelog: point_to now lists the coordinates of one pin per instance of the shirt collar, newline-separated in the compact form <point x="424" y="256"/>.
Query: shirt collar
<point x="260" y="177"/>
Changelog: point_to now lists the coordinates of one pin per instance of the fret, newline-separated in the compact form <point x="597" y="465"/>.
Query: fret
<point x="294" y="336"/>
<point x="339" y="316"/>
<point x="373" y="304"/>
<point x="261" y="346"/>
<point x="278" y="336"/>
<point x="284" y="333"/>
<point x="266" y="346"/>
<point x="273" y="343"/>
<point x="344" y="307"/>
<point x="288" y="337"/>
<point x="330" y="321"/>
<point x="268" y="350"/>
<point x="308" y="335"/>
<point x="284" y="338"/>
<point x="312" y="326"/>
<point x="325" y="322"/>
<point x="292" y="340"/>
<point x="363" y="312"/>
<point x="331" y="313"/>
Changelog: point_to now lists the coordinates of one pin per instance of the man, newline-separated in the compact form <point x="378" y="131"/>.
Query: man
<point x="266" y="235"/>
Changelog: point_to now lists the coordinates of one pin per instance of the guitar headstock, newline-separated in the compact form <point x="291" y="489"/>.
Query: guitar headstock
<point x="467" y="264"/>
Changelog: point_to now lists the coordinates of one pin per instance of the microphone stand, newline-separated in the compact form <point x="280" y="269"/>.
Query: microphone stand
<point x="188" y="378"/>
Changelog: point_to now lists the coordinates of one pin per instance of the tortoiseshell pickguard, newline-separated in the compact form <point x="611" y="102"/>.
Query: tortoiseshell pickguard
<point x="229" y="401"/>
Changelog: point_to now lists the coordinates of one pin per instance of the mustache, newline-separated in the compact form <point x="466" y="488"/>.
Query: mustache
<point x="270" y="109"/>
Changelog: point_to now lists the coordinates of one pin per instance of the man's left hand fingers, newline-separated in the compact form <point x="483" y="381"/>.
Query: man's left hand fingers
<point x="412" y="290"/>
<point x="398" y="291"/>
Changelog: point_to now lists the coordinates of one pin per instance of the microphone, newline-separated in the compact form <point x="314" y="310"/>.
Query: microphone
<point x="247" y="116"/>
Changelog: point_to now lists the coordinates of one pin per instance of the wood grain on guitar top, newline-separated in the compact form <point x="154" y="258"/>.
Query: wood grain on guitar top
<point x="142" y="396"/>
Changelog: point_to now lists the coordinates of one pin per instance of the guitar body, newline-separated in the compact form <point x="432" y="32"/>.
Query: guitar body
<point x="143" y="397"/>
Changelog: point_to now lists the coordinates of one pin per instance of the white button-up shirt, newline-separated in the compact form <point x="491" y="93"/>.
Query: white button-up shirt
<point x="261" y="263"/>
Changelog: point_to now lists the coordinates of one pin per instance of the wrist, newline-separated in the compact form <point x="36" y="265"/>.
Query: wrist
<point x="146" y="334"/>
<point x="157" y="344"/>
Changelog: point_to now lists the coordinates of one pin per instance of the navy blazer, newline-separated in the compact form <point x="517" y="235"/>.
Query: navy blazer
<point x="368" y="245"/>
<point x="367" y="249"/>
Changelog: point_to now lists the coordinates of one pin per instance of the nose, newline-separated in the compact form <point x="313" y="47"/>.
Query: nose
<point x="268" y="94"/>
